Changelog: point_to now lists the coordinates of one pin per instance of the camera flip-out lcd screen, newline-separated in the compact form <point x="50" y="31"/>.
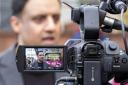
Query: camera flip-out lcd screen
<point x="42" y="58"/>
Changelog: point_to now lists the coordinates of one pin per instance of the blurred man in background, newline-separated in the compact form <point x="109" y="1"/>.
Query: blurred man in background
<point x="36" y="22"/>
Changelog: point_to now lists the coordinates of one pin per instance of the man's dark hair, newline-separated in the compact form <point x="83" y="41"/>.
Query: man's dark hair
<point x="18" y="6"/>
<point x="37" y="52"/>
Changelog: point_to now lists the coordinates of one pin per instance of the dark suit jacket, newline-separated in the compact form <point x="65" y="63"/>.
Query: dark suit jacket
<point x="35" y="65"/>
<point x="9" y="74"/>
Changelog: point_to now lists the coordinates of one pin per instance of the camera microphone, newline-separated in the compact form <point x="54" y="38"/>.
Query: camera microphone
<point x="119" y="5"/>
<point x="114" y="23"/>
<point x="115" y="6"/>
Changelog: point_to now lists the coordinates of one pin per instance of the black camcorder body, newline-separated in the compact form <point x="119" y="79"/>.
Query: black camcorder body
<point x="89" y="60"/>
<point x="93" y="59"/>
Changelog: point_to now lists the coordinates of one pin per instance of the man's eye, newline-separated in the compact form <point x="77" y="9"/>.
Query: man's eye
<point x="56" y="18"/>
<point x="39" y="19"/>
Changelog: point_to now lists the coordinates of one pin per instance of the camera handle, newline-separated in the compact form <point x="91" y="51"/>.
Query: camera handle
<point x="88" y="18"/>
<point x="90" y="26"/>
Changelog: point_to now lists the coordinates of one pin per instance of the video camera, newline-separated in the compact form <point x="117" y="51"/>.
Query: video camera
<point x="89" y="60"/>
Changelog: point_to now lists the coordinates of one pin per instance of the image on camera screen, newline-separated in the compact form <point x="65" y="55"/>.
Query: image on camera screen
<point x="44" y="59"/>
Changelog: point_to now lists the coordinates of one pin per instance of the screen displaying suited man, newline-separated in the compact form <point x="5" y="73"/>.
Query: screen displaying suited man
<point x="44" y="58"/>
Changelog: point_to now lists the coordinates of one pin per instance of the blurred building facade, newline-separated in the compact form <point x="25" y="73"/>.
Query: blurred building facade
<point x="7" y="36"/>
<point x="5" y="13"/>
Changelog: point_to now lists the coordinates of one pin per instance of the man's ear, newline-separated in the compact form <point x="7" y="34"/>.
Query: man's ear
<point x="16" y="24"/>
